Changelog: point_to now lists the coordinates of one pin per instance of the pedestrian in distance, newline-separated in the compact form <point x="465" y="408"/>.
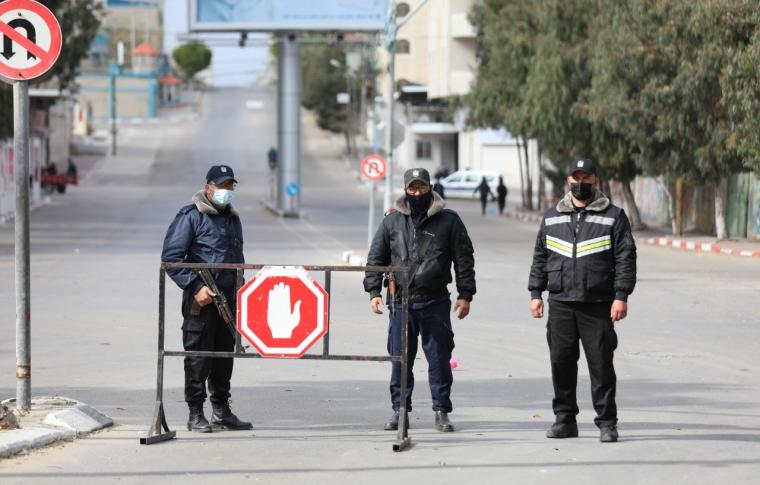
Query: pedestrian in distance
<point x="272" y="159"/>
<point x="485" y="192"/>
<point x="585" y="256"/>
<point x="421" y="234"/>
<point x="207" y="231"/>
<point x="501" y="195"/>
<point x="439" y="189"/>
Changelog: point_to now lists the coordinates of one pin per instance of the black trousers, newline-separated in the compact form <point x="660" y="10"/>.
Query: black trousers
<point x="206" y="331"/>
<point x="591" y="324"/>
<point x="432" y="321"/>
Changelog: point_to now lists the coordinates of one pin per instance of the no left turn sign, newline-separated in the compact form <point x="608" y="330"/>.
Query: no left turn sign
<point x="31" y="39"/>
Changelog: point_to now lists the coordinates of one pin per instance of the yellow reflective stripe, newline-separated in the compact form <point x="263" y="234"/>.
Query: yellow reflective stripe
<point x="593" y="246"/>
<point x="559" y="246"/>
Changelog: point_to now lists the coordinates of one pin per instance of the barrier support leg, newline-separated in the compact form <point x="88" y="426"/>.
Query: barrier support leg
<point x="159" y="429"/>
<point x="238" y="341"/>
<point x="326" y="338"/>
<point x="402" y="439"/>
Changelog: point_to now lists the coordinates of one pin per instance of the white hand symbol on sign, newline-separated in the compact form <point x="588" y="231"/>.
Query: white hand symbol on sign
<point x="280" y="319"/>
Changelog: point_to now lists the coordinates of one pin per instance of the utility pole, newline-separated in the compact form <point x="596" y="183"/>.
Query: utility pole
<point x="15" y="69"/>
<point x="21" y="229"/>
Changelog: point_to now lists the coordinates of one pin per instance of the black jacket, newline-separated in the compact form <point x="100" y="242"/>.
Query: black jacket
<point x="202" y="234"/>
<point x="587" y="256"/>
<point x="442" y="236"/>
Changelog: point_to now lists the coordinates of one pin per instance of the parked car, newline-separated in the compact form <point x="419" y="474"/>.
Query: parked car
<point x="462" y="184"/>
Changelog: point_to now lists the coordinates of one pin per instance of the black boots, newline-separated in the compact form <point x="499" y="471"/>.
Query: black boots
<point x="563" y="430"/>
<point x="608" y="434"/>
<point x="197" y="421"/>
<point x="442" y="422"/>
<point x="392" y="424"/>
<point x="223" y="418"/>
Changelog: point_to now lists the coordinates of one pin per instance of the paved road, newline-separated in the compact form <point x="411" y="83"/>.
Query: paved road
<point x="688" y="359"/>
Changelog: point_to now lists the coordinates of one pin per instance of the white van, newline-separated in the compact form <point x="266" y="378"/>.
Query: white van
<point x="462" y="184"/>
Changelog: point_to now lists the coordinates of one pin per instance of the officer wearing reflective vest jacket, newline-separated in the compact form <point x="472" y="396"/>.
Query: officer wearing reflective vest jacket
<point x="585" y="257"/>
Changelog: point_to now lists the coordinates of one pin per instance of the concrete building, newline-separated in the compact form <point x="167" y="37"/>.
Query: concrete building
<point x="137" y="24"/>
<point x="435" y="62"/>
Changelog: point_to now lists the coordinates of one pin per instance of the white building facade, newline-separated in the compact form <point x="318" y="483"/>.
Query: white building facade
<point x="435" y="62"/>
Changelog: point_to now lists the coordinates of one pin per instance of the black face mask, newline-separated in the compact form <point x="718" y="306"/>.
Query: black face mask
<point x="582" y="191"/>
<point x="419" y="204"/>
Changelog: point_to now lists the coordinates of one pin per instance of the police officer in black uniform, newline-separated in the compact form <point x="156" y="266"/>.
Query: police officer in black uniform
<point x="425" y="236"/>
<point x="585" y="256"/>
<point x="207" y="231"/>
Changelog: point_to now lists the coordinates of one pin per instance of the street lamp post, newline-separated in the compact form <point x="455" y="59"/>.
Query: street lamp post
<point x="390" y="44"/>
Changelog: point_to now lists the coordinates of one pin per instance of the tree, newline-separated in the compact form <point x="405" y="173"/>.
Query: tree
<point x="669" y="77"/>
<point x="505" y="51"/>
<point x="324" y="76"/>
<point x="192" y="58"/>
<point x="80" y="21"/>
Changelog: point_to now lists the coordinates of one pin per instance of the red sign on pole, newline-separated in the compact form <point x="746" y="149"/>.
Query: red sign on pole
<point x="373" y="167"/>
<point x="31" y="39"/>
<point x="282" y="311"/>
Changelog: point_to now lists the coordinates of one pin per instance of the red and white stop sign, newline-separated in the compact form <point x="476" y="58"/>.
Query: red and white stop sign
<point x="282" y="311"/>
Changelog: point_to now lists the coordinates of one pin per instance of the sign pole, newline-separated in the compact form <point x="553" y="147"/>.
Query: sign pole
<point x="371" y="223"/>
<point x="21" y="229"/>
<point x="373" y="168"/>
<point x="112" y="70"/>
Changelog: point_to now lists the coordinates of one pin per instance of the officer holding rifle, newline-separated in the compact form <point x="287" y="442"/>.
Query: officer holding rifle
<point x="208" y="231"/>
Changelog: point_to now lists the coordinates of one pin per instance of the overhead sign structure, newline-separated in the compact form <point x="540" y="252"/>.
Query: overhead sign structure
<point x="373" y="167"/>
<point x="282" y="311"/>
<point x="288" y="15"/>
<point x="31" y="39"/>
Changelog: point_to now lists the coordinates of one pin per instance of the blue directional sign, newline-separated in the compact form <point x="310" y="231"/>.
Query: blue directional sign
<point x="292" y="189"/>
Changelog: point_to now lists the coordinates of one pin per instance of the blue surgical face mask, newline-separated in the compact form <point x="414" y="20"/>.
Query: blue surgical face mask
<point x="222" y="197"/>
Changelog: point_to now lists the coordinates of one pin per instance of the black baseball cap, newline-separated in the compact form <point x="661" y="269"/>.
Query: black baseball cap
<point x="582" y="165"/>
<point x="218" y="174"/>
<point x="416" y="174"/>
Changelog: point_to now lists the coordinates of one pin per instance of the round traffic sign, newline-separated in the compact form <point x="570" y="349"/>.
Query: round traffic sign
<point x="31" y="39"/>
<point x="292" y="189"/>
<point x="373" y="167"/>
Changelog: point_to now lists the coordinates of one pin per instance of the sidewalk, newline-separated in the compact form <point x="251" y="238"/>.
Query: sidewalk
<point x="661" y="237"/>
<point x="50" y="420"/>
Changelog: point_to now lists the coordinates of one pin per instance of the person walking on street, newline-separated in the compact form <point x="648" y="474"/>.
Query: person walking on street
<point x="439" y="189"/>
<point x="421" y="234"/>
<point x="207" y="231"/>
<point x="485" y="192"/>
<point x="501" y="195"/>
<point x="585" y="256"/>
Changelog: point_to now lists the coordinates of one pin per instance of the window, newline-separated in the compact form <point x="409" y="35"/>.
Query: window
<point x="424" y="149"/>
<point x="402" y="46"/>
<point x="402" y="9"/>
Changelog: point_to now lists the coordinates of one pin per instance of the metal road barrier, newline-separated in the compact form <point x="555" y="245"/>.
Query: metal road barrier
<point x="159" y="429"/>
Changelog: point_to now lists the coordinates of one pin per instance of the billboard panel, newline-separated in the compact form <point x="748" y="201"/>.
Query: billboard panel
<point x="291" y="15"/>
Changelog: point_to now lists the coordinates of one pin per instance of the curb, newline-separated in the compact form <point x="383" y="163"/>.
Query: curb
<point x="16" y="441"/>
<point x="699" y="247"/>
<point x="64" y="424"/>
<point x="82" y="419"/>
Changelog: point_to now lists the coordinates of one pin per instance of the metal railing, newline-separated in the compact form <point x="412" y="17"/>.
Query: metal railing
<point x="159" y="429"/>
